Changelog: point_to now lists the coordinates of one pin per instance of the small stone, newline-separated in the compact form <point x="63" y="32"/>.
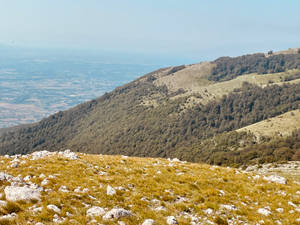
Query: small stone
<point x="3" y="203"/>
<point x="8" y="217"/>
<point x="63" y="188"/>
<point x="54" y="208"/>
<point x="110" y="190"/>
<point x="148" y="222"/>
<point x="171" y="220"/>
<point x="264" y="211"/>
<point x="280" y="210"/>
<point x="116" y="214"/>
<point x="276" y="179"/>
<point x="27" y="178"/>
<point x="208" y="211"/>
<point x="229" y="207"/>
<point x="95" y="211"/>
<point x="68" y="214"/>
<point x="45" y="182"/>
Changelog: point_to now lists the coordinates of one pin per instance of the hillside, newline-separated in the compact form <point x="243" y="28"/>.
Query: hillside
<point x="282" y="125"/>
<point x="100" y="189"/>
<point x="168" y="112"/>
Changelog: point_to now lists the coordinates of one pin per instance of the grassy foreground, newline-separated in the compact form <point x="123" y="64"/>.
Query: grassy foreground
<point x="150" y="189"/>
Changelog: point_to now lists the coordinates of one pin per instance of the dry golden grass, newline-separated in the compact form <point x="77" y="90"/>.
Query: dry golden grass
<point x="199" y="187"/>
<point x="282" y="125"/>
<point x="193" y="79"/>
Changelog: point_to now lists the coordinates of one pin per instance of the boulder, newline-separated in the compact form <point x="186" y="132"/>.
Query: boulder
<point x="13" y="193"/>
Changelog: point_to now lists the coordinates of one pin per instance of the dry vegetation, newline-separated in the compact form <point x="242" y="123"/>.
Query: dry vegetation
<point x="153" y="189"/>
<point x="282" y="125"/>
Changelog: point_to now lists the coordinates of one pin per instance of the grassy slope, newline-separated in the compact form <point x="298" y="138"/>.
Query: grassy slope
<point x="202" y="186"/>
<point x="282" y="125"/>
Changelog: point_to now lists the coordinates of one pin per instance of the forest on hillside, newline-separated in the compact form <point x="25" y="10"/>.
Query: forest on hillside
<point x="117" y="123"/>
<point x="228" y="68"/>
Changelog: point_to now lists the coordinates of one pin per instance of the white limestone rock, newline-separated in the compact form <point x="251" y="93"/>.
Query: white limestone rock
<point x="54" y="208"/>
<point x="264" y="211"/>
<point x="45" y="182"/>
<point x="3" y="203"/>
<point x="57" y="219"/>
<point x="5" y="176"/>
<point x="275" y="179"/>
<point x="208" y="211"/>
<point x="116" y="213"/>
<point x="171" y="220"/>
<point x="110" y="190"/>
<point x="27" y="178"/>
<point x="8" y="217"/>
<point x="148" y="222"/>
<point x="63" y="188"/>
<point x="69" y="155"/>
<point x="280" y="210"/>
<point x="95" y="211"/>
<point x="41" y="154"/>
<point x="228" y="207"/>
<point x="13" y="193"/>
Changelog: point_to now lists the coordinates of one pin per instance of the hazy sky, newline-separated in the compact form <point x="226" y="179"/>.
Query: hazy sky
<point x="190" y="28"/>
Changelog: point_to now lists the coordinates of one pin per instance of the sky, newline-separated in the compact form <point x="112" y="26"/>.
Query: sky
<point x="191" y="29"/>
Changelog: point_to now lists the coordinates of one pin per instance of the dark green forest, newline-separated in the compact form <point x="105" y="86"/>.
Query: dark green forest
<point x="228" y="68"/>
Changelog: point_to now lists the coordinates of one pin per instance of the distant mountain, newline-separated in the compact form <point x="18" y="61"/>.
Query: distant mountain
<point x="178" y="112"/>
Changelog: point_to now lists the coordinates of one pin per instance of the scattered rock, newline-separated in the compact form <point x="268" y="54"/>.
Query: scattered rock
<point x="63" y="188"/>
<point x="8" y="217"/>
<point x="69" y="155"/>
<point x="280" y="210"/>
<point x="5" y="177"/>
<point x="41" y="154"/>
<point x="264" y="211"/>
<point x="45" y="182"/>
<point x="27" y="178"/>
<point x="229" y="207"/>
<point x="275" y="179"/>
<point x="116" y="214"/>
<point x="95" y="211"/>
<point x="148" y="222"/>
<point x="3" y="203"/>
<point x="171" y="220"/>
<point x="110" y="190"/>
<point x="57" y="219"/>
<point x="13" y="193"/>
<point x="54" y="208"/>
<point x="208" y="211"/>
